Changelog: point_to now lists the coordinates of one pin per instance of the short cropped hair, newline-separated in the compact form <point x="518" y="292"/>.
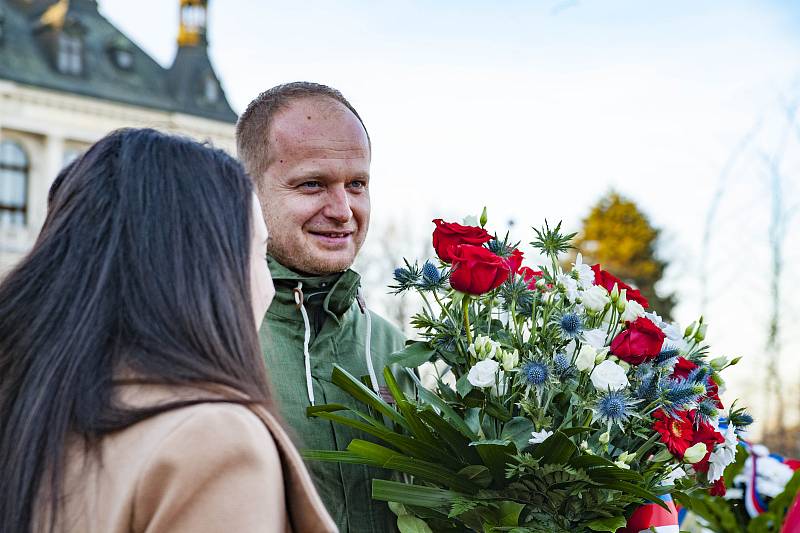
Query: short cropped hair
<point x="252" y="129"/>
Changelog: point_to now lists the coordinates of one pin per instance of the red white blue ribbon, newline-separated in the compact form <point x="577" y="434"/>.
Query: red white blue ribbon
<point x="652" y="517"/>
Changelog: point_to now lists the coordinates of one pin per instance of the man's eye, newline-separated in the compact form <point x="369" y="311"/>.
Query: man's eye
<point x="311" y="185"/>
<point x="358" y="184"/>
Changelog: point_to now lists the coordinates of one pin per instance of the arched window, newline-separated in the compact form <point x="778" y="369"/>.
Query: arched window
<point x="210" y="89"/>
<point x="14" y="167"/>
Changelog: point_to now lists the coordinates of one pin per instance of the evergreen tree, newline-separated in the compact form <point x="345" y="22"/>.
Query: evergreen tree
<point x="620" y="237"/>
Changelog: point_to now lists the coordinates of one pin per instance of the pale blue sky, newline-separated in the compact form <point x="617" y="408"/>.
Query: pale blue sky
<point x="537" y="108"/>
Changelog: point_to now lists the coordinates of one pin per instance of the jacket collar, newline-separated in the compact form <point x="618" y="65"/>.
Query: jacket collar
<point x="341" y="290"/>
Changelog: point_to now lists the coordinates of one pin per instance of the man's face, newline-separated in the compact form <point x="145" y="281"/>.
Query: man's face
<point x="315" y="191"/>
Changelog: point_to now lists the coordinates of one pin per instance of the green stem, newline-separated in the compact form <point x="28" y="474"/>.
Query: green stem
<point x="465" y="310"/>
<point x="646" y="446"/>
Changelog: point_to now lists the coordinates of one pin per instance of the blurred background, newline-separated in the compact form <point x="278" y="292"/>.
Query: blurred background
<point x="666" y="134"/>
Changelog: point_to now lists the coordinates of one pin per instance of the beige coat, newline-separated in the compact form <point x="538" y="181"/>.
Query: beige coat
<point x="211" y="467"/>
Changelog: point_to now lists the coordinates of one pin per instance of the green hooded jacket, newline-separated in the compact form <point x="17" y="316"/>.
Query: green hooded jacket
<point x="337" y="328"/>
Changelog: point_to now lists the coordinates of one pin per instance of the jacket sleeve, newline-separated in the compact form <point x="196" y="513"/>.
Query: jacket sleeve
<point x="219" y="470"/>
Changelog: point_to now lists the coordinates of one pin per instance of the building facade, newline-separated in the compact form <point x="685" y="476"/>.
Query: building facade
<point x="68" y="77"/>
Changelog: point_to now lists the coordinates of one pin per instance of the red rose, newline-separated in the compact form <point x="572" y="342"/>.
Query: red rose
<point x="718" y="489"/>
<point x="514" y="261"/>
<point x="530" y="276"/>
<point x="640" y="342"/>
<point x="477" y="270"/>
<point x="676" y="433"/>
<point x="448" y="235"/>
<point x="607" y="280"/>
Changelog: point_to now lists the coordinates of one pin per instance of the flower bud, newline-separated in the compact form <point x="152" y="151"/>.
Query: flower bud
<point x="484" y="217"/>
<point x="623" y="301"/>
<point x="510" y="360"/>
<point x="735" y="360"/>
<point x="622" y="465"/>
<point x="605" y="437"/>
<point x="695" y="453"/>
<point x="626" y="457"/>
<point x="615" y="293"/>
<point x="690" y="330"/>
<point x="701" y="333"/>
<point x="718" y="363"/>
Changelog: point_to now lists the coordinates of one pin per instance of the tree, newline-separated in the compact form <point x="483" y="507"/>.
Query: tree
<point x="620" y="237"/>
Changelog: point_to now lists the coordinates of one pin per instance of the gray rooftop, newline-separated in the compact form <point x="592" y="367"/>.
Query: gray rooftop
<point x="29" y="33"/>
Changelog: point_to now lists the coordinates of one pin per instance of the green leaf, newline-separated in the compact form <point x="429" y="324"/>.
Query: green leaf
<point x="496" y="454"/>
<point x="345" y="381"/>
<point x="611" y="524"/>
<point x="463" y="386"/>
<point x="413" y="355"/>
<point x="509" y="513"/>
<point x="412" y="524"/>
<point x="446" y="410"/>
<point x="518" y="430"/>
<point x="412" y="495"/>
<point x="455" y="439"/>
<point x="556" y="449"/>
<point x="630" y="488"/>
<point x="398" y="508"/>
<point x="383" y="457"/>
<point x="478" y="474"/>
<point x="409" y="411"/>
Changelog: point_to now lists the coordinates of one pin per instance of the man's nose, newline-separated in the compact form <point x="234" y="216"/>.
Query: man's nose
<point x="338" y="206"/>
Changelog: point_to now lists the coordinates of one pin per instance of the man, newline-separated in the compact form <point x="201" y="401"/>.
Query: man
<point x="308" y="153"/>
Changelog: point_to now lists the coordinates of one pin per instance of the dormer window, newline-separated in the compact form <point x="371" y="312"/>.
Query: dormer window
<point x="211" y="89"/>
<point x="69" y="58"/>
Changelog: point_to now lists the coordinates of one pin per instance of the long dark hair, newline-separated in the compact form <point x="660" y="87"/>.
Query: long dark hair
<point x="142" y="265"/>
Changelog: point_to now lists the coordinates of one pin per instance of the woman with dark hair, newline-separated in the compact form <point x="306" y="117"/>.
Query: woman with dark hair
<point x="133" y="395"/>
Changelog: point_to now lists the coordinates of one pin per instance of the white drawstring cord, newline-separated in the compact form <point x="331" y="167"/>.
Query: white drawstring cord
<point x="298" y="299"/>
<point x="368" y="341"/>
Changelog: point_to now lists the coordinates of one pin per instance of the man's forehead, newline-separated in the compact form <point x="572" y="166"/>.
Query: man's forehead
<point x="310" y="118"/>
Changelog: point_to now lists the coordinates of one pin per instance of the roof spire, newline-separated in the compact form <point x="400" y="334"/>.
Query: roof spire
<point x="193" y="17"/>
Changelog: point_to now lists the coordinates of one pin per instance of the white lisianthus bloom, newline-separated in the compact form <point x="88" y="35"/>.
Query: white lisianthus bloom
<point x="622" y="465"/>
<point x="538" y="437"/>
<point x="595" y="299"/>
<point x="483" y="374"/>
<point x="716" y="465"/>
<point x="570" y="348"/>
<point x="470" y="220"/>
<point x="510" y="360"/>
<point x="694" y="454"/>
<point x="596" y="338"/>
<point x="609" y="375"/>
<point x="633" y="310"/>
<point x="585" y="359"/>
<point x="570" y="285"/>
<point x="673" y="476"/>
<point x="584" y="272"/>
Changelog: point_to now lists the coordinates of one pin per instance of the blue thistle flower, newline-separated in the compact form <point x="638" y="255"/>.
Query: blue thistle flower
<point x="681" y="394"/>
<point x="571" y="325"/>
<point x="698" y="375"/>
<point x="614" y="407"/>
<point x="666" y="356"/>
<point x="744" y="419"/>
<point x="650" y="386"/>
<point x="430" y="273"/>
<point x="536" y="373"/>
<point x="707" y="410"/>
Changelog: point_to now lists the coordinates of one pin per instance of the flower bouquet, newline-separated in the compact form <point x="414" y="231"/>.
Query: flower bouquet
<point x="760" y="490"/>
<point x="560" y="403"/>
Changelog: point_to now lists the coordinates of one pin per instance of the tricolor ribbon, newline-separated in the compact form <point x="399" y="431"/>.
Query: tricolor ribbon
<point x="652" y="517"/>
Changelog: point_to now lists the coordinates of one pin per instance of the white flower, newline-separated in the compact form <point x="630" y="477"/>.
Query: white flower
<point x="596" y="298"/>
<point x="510" y="360"/>
<point x="694" y="454"/>
<point x="716" y="465"/>
<point x="728" y="448"/>
<point x="484" y="348"/>
<point x="585" y="359"/>
<point x="673" y="476"/>
<point x="633" y="310"/>
<point x="483" y="374"/>
<point x="537" y="437"/>
<point x="470" y="220"/>
<point x="584" y="272"/>
<point x="609" y="375"/>
<point x="596" y="338"/>
<point x="570" y="285"/>
<point x="622" y="465"/>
